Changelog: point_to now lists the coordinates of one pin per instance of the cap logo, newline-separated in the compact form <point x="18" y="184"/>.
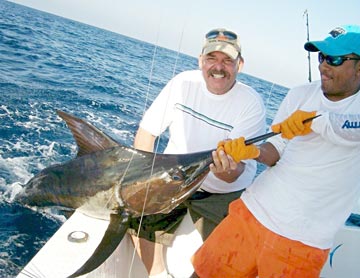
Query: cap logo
<point x="337" y="32"/>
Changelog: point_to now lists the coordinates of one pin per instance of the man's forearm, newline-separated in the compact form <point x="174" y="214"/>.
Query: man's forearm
<point x="268" y="154"/>
<point x="144" y="140"/>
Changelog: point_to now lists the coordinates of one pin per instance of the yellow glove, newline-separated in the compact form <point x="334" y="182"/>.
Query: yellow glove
<point x="293" y="125"/>
<point x="237" y="149"/>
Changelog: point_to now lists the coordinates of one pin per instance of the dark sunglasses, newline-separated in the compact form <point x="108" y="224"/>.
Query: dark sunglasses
<point x="216" y="33"/>
<point x="334" y="60"/>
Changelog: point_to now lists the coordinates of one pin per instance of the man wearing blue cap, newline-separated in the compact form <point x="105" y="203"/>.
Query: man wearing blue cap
<point x="284" y="224"/>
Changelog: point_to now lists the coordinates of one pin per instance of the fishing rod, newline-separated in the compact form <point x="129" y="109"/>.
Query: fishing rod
<point x="271" y="134"/>
<point x="307" y="29"/>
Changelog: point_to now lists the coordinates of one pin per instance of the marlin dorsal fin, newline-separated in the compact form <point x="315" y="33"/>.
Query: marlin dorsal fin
<point x="88" y="138"/>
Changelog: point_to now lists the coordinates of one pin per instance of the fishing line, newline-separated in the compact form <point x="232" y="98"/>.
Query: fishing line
<point x="159" y="137"/>
<point x="34" y="273"/>
<point x="269" y="96"/>
<point x="136" y="243"/>
<point x="267" y="102"/>
<point x="143" y="112"/>
<point x="173" y="74"/>
<point x="119" y="182"/>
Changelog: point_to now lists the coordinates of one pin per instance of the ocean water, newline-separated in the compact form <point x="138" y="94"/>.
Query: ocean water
<point x="49" y="63"/>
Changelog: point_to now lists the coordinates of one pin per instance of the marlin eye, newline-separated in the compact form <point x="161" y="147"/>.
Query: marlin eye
<point x="177" y="176"/>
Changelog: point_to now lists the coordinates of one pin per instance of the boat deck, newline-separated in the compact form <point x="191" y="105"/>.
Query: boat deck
<point x="60" y="257"/>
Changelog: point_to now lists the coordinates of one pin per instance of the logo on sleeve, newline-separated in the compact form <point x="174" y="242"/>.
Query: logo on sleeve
<point x="348" y="124"/>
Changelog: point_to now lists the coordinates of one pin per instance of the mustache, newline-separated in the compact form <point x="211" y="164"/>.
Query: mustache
<point x="214" y="71"/>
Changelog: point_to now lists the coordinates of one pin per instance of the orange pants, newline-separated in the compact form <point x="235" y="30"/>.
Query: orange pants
<point x="241" y="247"/>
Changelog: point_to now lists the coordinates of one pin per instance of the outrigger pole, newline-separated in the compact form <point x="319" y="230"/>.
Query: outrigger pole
<point x="307" y="28"/>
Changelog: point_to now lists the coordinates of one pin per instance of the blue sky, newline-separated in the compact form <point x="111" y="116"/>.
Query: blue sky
<point x="272" y="33"/>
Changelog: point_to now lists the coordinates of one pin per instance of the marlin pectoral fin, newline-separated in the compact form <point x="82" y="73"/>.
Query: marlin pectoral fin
<point x="82" y="131"/>
<point x="115" y="232"/>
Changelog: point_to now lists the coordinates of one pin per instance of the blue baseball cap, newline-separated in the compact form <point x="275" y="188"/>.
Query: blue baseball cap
<point x="341" y="41"/>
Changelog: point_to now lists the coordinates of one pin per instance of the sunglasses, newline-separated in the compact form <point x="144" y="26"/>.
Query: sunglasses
<point x="216" y="33"/>
<point x="334" y="60"/>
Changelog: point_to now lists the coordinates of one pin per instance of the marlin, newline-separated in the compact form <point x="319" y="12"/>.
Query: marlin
<point x="110" y="181"/>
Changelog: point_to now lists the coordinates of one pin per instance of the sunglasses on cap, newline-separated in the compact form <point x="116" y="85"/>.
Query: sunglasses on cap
<point x="334" y="60"/>
<point x="216" y="33"/>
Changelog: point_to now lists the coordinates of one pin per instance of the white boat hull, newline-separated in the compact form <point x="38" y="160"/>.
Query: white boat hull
<point x="60" y="257"/>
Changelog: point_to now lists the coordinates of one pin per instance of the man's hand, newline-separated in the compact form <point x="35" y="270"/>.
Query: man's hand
<point x="237" y="149"/>
<point x="224" y="167"/>
<point x="294" y="125"/>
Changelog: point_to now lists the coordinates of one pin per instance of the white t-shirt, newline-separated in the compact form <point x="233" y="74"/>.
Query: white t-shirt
<point x="198" y="120"/>
<point x="310" y="192"/>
